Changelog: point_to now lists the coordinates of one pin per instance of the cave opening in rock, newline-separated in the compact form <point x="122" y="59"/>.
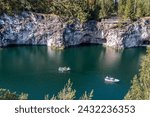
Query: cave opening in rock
<point x="146" y="42"/>
<point x="88" y="40"/>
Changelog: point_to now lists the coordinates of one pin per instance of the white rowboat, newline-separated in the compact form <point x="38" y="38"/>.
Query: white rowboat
<point x="64" y="69"/>
<point x="111" y="79"/>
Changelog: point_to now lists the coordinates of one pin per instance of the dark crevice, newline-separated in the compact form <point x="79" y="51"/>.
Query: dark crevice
<point x="87" y="44"/>
<point x="145" y="42"/>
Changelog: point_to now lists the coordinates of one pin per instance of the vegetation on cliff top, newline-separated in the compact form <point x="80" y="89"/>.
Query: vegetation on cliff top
<point x="81" y="9"/>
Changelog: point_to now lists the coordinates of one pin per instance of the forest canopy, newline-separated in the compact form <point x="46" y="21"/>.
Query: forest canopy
<point x="81" y="9"/>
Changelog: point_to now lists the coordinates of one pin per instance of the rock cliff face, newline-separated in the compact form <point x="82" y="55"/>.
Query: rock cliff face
<point x="39" y="29"/>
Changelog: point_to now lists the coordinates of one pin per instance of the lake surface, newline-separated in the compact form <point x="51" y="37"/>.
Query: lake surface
<point x="34" y="70"/>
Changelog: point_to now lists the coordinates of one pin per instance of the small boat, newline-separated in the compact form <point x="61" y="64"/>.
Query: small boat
<point x="111" y="79"/>
<point x="64" y="69"/>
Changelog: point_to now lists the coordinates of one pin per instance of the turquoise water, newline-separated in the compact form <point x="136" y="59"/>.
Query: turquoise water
<point x="34" y="70"/>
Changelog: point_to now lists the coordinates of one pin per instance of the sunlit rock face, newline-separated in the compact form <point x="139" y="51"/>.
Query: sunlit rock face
<point x="43" y="29"/>
<point x="31" y="29"/>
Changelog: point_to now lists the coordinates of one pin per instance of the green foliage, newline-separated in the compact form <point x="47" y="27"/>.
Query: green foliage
<point x="27" y="5"/>
<point x="142" y="8"/>
<point x="7" y="95"/>
<point x="129" y="9"/>
<point x="133" y="9"/>
<point x="86" y="96"/>
<point x="69" y="9"/>
<point x="92" y="7"/>
<point x="136" y="91"/>
<point x="139" y="10"/>
<point x="67" y="93"/>
<point x="121" y="7"/>
<point x="140" y="88"/>
<point x="41" y="6"/>
<point x="145" y="75"/>
<point x="81" y="9"/>
<point x="107" y="7"/>
<point x="14" y="6"/>
<point x="146" y="7"/>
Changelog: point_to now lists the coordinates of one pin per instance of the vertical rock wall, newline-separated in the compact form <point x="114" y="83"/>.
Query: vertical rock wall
<point x="43" y="29"/>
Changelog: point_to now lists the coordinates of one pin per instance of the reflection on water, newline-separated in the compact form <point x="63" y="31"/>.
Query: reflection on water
<point x="54" y="55"/>
<point x="35" y="70"/>
<point x="110" y="57"/>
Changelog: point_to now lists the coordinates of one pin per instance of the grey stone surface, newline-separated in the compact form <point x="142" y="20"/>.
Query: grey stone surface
<point x="41" y="29"/>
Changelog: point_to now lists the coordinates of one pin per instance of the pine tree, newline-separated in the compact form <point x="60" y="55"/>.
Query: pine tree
<point x="136" y="90"/>
<point x="145" y="75"/>
<point x="139" y="10"/>
<point x="129" y="10"/>
<point x="107" y="8"/>
<point x="93" y="9"/>
<point x="68" y="93"/>
<point x="140" y="88"/>
<point x="121" y="7"/>
<point x="147" y="7"/>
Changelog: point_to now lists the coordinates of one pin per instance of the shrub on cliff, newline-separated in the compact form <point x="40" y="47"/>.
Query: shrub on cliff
<point x="140" y="88"/>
